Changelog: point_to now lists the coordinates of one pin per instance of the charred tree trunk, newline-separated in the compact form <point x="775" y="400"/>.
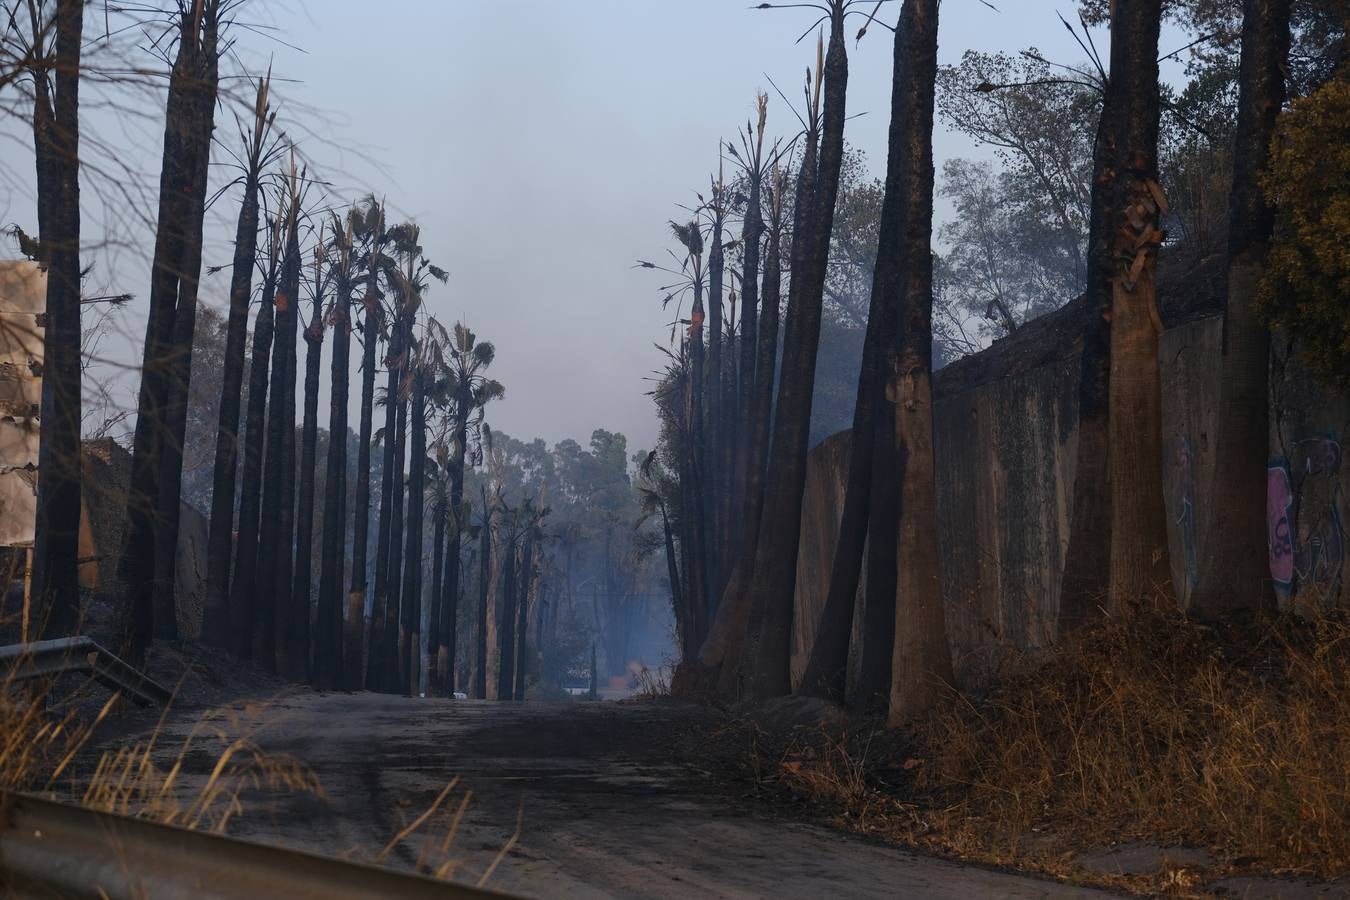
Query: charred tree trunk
<point x="276" y="527"/>
<point x="243" y="584"/>
<point x="922" y="664"/>
<point x="714" y="438"/>
<point x="826" y="666"/>
<point x="448" y="624"/>
<point x="216" y="616"/>
<point x="1139" y="559"/>
<point x="752" y="234"/>
<point x="328" y="642"/>
<point x="393" y="660"/>
<point x="1233" y="566"/>
<point x="304" y="525"/>
<point x="410" y="630"/>
<point x="522" y="617"/>
<point x="377" y="669"/>
<point x="1087" y="565"/>
<point x="157" y="445"/>
<point x="727" y="636"/>
<point x="353" y="674"/>
<point x="480" y="636"/>
<point x="769" y="631"/>
<point x="506" y="633"/>
<point x="56" y="142"/>
<point x="438" y="514"/>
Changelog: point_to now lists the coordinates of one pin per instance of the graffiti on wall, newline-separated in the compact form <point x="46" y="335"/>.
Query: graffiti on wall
<point x="1279" y="527"/>
<point x="1306" y="537"/>
<point x="1184" y="504"/>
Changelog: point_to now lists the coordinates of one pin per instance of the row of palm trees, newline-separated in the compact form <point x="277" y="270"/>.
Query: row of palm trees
<point x="364" y="279"/>
<point x="368" y="280"/>
<point x="743" y="476"/>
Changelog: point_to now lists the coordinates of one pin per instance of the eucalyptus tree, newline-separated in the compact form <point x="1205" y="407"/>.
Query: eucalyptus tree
<point x="259" y="152"/>
<point x="328" y="639"/>
<point x="921" y="665"/>
<point x="146" y="566"/>
<point x="244" y="632"/>
<point x="54" y="67"/>
<point x="1117" y="533"/>
<point x="469" y="391"/>
<point x="1233" y="566"/>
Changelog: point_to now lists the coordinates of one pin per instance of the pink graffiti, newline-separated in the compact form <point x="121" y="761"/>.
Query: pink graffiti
<point x="1279" y="506"/>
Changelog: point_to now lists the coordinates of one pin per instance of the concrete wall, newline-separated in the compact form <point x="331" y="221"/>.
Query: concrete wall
<point x="1006" y="442"/>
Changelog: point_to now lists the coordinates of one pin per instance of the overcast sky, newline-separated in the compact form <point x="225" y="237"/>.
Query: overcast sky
<point x="541" y="145"/>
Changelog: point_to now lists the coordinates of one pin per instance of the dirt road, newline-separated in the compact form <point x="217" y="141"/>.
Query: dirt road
<point x="607" y="812"/>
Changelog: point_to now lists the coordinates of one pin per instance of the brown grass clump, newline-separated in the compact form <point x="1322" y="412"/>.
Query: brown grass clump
<point x="127" y="781"/>
<point x="1152" y="727"/>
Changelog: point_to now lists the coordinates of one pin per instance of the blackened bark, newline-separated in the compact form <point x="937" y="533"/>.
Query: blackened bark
<point x="484" y="577"/>
<point x="179" y="361"/>
<point x="506" y="633"/>
<point x="328" y="642"/>
<point x="56" y="140"/>
<point x="522" y="617"/>
<point x="302" y="582"/>
<point x="353" y="672"/>
<point x="448" y="624"/>
<point x="377" y="668"/>
<point x="186" y="153"/>
<point x="769" y="631"/>
<point x="751" y="235"/>
<point x="219" y="543"/>
<point x="277" y="512"/>
<point x="826" y="667"/>
<point x="438" y="514"/>
<point x="243" y="585"/>
<point x="1087" y="565"/>
<point x="1233" y="564"/>
<point x="397" y="522"/>
<point x="714" y="438"/>
<point x="410" y="632"/>
<point x="921" y="666"/>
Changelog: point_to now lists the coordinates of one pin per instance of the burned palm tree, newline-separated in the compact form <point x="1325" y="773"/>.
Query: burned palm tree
<point x="243" y="582"/>
<point x="755" y="168"/>
<point x="468" y="391"/>
<point x="277" y="511"/>
<point x="309" y="435"/>
<point x="146" y="566"/>
<point x="769" y="628"/>
<point x="368" y="226"/>
<point x="56" y="144"/>
<point x="259" y="151"/>
<point x="328" y="638"/>
<point x="683" y="394"/>
<point x="480" y="655"/>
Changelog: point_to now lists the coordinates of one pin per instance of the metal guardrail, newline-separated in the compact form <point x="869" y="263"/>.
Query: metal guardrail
<point x="50" y="849"/>
<point x="61" y="656"/>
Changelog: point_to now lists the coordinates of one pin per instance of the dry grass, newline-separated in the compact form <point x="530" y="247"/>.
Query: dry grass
<point x="1152" y="727"/>
<point x="128" y="781"/>
<point x="1147" y="728"/>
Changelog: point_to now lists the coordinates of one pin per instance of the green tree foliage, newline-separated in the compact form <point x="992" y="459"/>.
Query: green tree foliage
<point x="1308" y="279"/>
